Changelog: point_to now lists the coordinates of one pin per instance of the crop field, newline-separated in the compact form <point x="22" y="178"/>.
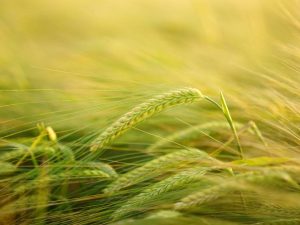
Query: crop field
<point x="150" y="112"/>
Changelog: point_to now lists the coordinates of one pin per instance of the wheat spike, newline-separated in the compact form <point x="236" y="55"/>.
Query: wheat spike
<point x="144" y="111"/>
<point x="18" y="153"/>
<point x="294" y="221"/>
<point x="155" y="167"/>
<point x="83" y="171"/>
<point x="23" y="203"/>
<point x="7" y="168"/>
<point x="236" y="182"/>
<point x="66" y="152"/>
<point x="282" y="211"/>
<point x="106" y="168"/>
<point x="177" y="181"/>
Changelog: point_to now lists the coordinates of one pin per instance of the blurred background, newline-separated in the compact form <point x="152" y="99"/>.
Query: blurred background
<point x="77" y="65"/>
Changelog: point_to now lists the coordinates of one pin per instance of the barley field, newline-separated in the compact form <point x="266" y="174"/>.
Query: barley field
<point x="144" y="112"/>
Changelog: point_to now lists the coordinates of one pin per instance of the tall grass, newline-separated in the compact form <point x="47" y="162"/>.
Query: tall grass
<point x="111" y="77"/>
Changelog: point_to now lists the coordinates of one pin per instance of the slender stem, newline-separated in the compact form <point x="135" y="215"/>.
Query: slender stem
<point x="30" y="150"/>
<point x="213" y="101"/>
<point x="221" y="148"/>
<point x="227" y="115"/>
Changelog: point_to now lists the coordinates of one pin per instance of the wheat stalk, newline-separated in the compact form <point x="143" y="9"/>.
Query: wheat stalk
<point x="104" y="167"/>
<point x="189" y="134"/>
<point x="261" y="161"/>
<point x="144" y="111"/>
<point x="228" y="117"/>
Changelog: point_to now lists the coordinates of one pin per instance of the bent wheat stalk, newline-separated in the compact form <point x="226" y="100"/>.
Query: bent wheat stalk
<point x="189" y="134"/>
<point x="144" y="111"/>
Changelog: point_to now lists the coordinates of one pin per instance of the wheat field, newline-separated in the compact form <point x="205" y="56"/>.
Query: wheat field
<point x="147" y="112"/>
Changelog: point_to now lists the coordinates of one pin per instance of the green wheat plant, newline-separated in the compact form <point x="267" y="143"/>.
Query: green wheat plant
<point x="150" y="112"/>
<point x="144" y="111"/>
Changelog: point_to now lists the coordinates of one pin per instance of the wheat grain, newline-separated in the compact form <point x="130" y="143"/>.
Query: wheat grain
<point x="66" y="152"/>
<point x="294" y="221"/>
<point x="176" y="181"/>
<point x="155" y="167"/>
<point x="51" y="134"/>
<point x="144" y="111"/>
<point x="18" y="153"/>
<point x="106" y="168"/>
<point x="78" y="171"/>
<point x="7" y="168"/>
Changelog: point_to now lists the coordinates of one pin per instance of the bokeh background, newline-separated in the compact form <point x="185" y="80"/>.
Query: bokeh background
<point x="77" y="65"/>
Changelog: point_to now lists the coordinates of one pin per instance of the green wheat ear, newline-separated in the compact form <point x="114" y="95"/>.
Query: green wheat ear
<point x="93" y="170"/>
<point x="144" y="111"/>
<point x="20" y="152"/>
<point x="236" y="183"/>
<point x="156" y="167"/>
<point x="293" y="221"/>
<point x="7" y="168"/>
<point x="177" y="181"/>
